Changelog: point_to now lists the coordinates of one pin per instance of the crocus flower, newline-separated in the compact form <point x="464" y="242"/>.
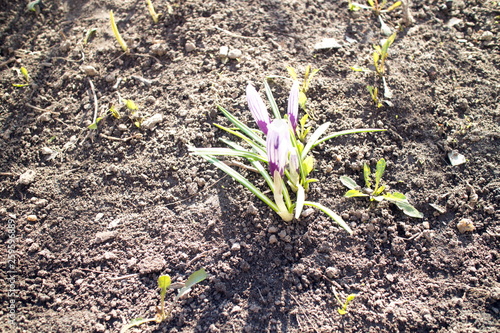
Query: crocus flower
<point x="258" y="108"/>
<point x="293" y="105"/>
<point x="278" y="145"/>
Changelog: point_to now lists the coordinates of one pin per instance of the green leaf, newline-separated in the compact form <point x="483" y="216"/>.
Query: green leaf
<point x="93" y="126"/>
<point x="272" y="101"/>
<point x="331" y="214"/>
<point x="409" y="210"/>
<point x="257" y="147"/>
<point x="33" y="5"/>
<point x="89" y="35"/>
<point x="291" y="71"/>
<point x="348" y="182"/>
<point x="164" y="282"/>
<point x="355" y="193"/>
<point x="367" y="175"/>
<point x="229" y="152"/>
<point x="130" y="104"/>
<point x="395" y="197"/>
<point x="313" y="140"/>
<point x="352" y="131"/>
<point x="17" y="85"/>
<point x="244" y="128"/>
<point x="136" y="322"/>
<point x="379" y="172"/>
<point x="393" y="6"/>
<point x="301" y="197"/>
<point x="114" y="112"/>
<point x="242" y="180"/>
<point x="24" y="71"/>
<point x="360" y="69"/>
<point x="302" y="100"/>
<point x="192" y="280"/>
<point x="308" y="164"/>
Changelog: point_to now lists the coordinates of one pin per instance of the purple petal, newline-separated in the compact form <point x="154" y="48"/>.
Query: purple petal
<point x="258" y="109"/>
<point x="278" y="145"/>
<point x="293" y="105"/>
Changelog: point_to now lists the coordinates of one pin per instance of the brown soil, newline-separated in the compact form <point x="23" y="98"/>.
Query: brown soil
<point x="108" y="208"/>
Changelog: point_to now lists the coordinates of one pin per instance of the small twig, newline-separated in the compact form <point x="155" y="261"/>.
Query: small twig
<point x="36" y="108"/>
<point x="8" y="174"/>
<point x="116" y="278"/>
<point x="5" y="63"/>
<point x="114" y="138"/>
<point x="96" y="106"/>
<point x="143" y="80"/>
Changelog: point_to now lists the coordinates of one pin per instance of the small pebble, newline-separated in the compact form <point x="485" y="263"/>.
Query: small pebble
<point x="272" y="229"/>
<point x="109" y="255"/>
<point x="32" y="218"/>
<point x="152" y="121"/>
<point x="122" y="127"/>
<point x="223" y="52"/>
<point x="465" y="225"/>
<point x="332" y="272"/>
<point x="236" y="247"/>
<point x="27" y="177"/>
<point x="90" y="70"/>
<point x="47" y="151"/>
<point x="110" y="78"/>
<point x="282" y="234"/>
<point x="307" y="212"/>
<point x="44" y="117"/>
<point x="486" y="36"/>
<point x="190" y="47"/>
<point x="273" y="239"/>
<point x="98" y="216"/>
<point x="234" y="54"/>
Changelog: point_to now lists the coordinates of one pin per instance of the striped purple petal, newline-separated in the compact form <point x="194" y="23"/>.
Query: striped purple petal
<point x="278" y="145"/>
<point x="258" y="109"/>
<point x="293" y="105"/>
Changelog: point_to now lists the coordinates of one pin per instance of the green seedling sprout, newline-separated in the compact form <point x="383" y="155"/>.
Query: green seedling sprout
<point x="379" y="56"/>
<point x="164" y="283"/>
<point x="91" y="32"/>
<point x="278" y="144"/>
<point x="35" y="6"/>
<point x="343" y="306"/>
<point x="304" y="87"/>
<point x="378" y="7"/>
<point x="152" y="11"/>
<point x="26" y="77"/>
<point x="377" y="191"/>
<point x="118" y="37"/>
<point x="134" y="114"/>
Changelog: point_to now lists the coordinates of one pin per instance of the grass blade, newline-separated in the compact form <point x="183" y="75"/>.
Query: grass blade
<point x="314" y="139"/>
<point x="272" y="101"/>
<point x="331" y="214"/>
<point x="352" y="131"/>
<point x="242" y="180"/>
<point x="244" y="128"/>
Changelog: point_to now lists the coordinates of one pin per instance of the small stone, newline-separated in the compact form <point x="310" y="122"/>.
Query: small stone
<point x="152" y="121"/>
<point x="282" y="234"/>
<point x="236" y="247"/>
<point x="190" y="47"/>
<point x="273" y="239"/>
<point x="235" y="309"/>
<point x="307" y="212"/>
<point x="110" y="78"/>
<point x="327" y="43"/>
<point x="113" y="224"/>
<point x="46" y="151"/>
<point x="90" y="70"/>
<point x="223" y="52"/>
<point x="100" y="328"/>
<point x="272" y="229"/>
<point x="151" y="265"/>
<point x="465" y="225"/>
<point x="27" y="177"/>
<point x="109" y="255"/>
<point x="486" y="36"/>
<point x="426" y="225"/>
<point x="33" y="248"/>
<point x="32" y="218"/>
<point x="104" y="236"/>
<point x="159" y="49"/>
<point x="234" y="54"/>
<point x="122" y="127"/>
<point x="332" y="272"/>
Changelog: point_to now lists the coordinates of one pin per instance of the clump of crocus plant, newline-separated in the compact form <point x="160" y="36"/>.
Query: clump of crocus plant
<point x="281" y="143"/>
